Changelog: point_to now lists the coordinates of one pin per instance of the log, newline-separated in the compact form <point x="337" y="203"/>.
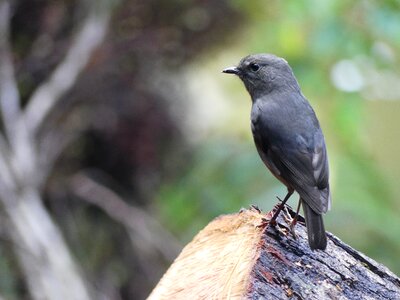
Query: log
<point x="234" y="257"/>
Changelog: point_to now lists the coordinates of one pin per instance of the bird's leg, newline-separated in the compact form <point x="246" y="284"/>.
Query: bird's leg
<point x="280" y="207"/>
<point x="294" y="221"/>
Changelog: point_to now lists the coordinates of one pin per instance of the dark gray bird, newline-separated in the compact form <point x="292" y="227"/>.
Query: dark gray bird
<point x="288" y="137"/>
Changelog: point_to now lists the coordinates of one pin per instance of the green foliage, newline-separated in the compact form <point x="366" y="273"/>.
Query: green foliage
<point x="312" y="36"/>
<point x="224" y="176"/>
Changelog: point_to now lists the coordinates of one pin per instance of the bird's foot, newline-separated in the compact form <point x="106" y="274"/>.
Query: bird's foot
<point x="292" y="221"/>
<point x="276" y="211"/>
<point x="291" y="227"/>
<point x="270" y="220"/>
<point x="267" y="220"/>
<point x="288" y="218"/>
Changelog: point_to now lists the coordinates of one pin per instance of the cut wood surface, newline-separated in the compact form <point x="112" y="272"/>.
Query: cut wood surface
<point x="235" y="258"/>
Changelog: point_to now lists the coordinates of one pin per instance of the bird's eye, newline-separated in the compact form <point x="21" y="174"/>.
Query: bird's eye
<point x="254" y="67"/>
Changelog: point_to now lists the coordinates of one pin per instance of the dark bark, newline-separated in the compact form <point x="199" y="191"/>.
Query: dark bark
<point x="239" y="257"/>
<point x="289" y="269"/>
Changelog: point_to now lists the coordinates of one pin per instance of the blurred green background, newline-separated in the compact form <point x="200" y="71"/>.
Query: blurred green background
<point x="167" y="132"/>
<point x="345" y="56"/>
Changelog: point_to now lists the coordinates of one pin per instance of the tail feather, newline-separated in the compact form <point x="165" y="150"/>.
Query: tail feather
<point x="315" y="228"/>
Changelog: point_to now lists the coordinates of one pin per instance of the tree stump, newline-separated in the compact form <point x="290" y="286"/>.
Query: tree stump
<point x="234" y="257"/>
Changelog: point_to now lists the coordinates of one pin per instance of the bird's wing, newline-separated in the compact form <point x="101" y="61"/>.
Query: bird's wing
<point x="305" y="168"/>
<point x="293" y="146"/>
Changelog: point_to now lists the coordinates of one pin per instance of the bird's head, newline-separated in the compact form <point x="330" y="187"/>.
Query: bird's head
<point x="264" y="73"/>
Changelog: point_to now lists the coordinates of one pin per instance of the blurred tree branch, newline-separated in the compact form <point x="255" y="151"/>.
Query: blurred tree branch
<point x="48" y="94"/>
<point x="9" y="96"/>
<point x="145" y="232"/>
<point x="52" y="271"/>
<point x="48" y="97"/>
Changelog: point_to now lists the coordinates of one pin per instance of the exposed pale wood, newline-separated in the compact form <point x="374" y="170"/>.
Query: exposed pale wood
<point x="216" y="264"/>
<point x="233" y="258"/>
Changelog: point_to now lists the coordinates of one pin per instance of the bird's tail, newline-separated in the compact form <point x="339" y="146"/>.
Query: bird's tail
<point x="315" y="228"/>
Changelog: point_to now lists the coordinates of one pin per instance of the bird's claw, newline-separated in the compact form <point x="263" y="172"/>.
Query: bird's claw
<point x="288" y="218"/>
<point x="292" y="221"/>
<point x="291" y="228"/>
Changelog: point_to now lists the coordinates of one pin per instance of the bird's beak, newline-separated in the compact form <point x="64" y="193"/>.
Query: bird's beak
<point x="231" y="70"/>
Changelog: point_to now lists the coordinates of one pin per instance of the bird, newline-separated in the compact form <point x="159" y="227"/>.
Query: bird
<point x="288" y="138"/>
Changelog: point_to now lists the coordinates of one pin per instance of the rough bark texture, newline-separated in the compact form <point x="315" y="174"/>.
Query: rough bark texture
<point x="234" y="258"/>
<point x="288" y="269"/>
